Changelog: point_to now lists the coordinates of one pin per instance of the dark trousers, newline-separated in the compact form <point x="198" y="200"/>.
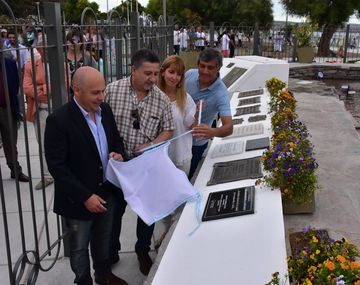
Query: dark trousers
<point x="176" y="49"/>
<point x="9" y="143"/>
<point x="143" y="231"/>
<point x="197" y="153"/>
<point x="97" y="232"/>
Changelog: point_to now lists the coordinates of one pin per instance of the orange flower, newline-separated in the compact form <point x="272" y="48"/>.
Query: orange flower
<point x="341" y="258"/>
<point x="355" y="264"/>
<point x="330" y="265"/>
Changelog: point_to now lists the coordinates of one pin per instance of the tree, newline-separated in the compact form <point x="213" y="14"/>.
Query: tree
<point x="74" y="8"/>
<point x="125" y="6"/>
<point x="25" y="8"/>
<point x="327" y="14"/>
<point x="187" y="12"/>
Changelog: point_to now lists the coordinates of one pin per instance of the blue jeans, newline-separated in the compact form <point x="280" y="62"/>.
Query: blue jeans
<point x="97" y="232"/>
<point x="197" y="153"/>
<point x="143" y="231"/>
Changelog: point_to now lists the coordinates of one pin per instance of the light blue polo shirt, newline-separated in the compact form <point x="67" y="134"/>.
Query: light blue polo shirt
<point x="216" y="98"/>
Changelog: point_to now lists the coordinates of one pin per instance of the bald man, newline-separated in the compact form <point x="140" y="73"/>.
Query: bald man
<point x="80" y="137"/>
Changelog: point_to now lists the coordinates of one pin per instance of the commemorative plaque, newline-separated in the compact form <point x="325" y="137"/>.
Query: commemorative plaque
<point x="248" y="130"/>
<point x="247" y="110"/>
<point x="257" y="144"/>
<point x="237" y="121"/>
<point x="231" y="64"/>
<point x="226" y="149"/>
<point x="233" y="75"/>
<point x="249" y="93"/>
<point x="235" y="170"/>
<point x="257" y="118"/>
<point x="229" y="203"/>
<point x="248" y="101"/>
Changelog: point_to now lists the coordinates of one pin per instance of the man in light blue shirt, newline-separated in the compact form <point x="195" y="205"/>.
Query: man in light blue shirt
<point x="205" y="84"/>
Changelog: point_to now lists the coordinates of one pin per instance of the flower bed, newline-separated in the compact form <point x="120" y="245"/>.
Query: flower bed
<point x="322" y="260"/>
<point x="289" y="160"/>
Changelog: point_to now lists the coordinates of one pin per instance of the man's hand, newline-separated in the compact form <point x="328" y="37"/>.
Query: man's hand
<point x="137" y="150"/>
<point x="203" y="132"/>
<point x="95" y="204"/>
<point x="116" y="156"/>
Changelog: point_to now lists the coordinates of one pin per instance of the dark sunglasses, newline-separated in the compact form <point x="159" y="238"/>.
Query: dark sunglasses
<point x="136" y="122"/>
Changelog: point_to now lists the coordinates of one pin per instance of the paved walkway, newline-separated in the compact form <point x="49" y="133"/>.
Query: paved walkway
<point x="337" y="147"/>
<point x="337" y="150"/>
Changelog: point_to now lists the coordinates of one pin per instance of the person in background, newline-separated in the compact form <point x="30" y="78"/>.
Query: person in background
<point x="97" y="40"/>
<point x="278" y="42"/>
<point x="204" y="83"/>
<point x="225" y="42"/>
<point x="30" y="37"/>
<point x="143" y="116"/>
<point x="24" y="53"/>
<point x="176" y="40"/>
<point x="184" y="39"/>
<point x="5" y="40"/>
<point x="8" y="128"/>
<point x="353" y="43"/>
<point x="172" y="83"/>
<point x="76" y="56"/>
<point x="80" y="137"/>
<point x="37" y="102"/>
<point x="200" y="39"/>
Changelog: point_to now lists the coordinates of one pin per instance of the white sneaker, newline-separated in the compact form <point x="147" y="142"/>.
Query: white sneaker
<point x="47" y="182"/>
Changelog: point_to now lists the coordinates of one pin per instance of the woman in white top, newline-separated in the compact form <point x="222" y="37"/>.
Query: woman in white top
<point x="225" y="41"/>
<point x="171" y="82"/>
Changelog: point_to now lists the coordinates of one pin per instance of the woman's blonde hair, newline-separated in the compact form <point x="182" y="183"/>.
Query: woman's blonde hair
<point x="179" y="66"/>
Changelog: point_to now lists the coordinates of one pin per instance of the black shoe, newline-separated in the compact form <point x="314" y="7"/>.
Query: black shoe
<point x="109" y="279"/>
<point x="22" y="177"/>
<point x="145" y="263"/>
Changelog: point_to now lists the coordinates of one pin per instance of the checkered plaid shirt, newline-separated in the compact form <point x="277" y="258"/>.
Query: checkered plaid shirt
<point x="154" y="112"/>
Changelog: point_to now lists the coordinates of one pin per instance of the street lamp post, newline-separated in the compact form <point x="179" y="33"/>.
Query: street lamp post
<point x="38" y="10"/>
<point x="127" y="11"/>
<point x="164" y="10"/>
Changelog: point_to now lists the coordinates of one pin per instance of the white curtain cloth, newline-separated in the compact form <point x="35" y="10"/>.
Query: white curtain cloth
<point x="152" y="185"/>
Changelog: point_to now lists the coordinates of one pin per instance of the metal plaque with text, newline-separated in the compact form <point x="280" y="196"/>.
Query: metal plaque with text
<point x="237" y="121"/>
<point x="247" y="110"/>
<point x="257" y="144"/>
<point x="235" y="170"/>
<point x="248" y="130"/>
<point x="229" y="203"/>
<point x="226" y="149"/>
<point x="257" y="118"/>
<point x="248" y="101"/>
<point x="249" y="93"/>
<point x="233" y="75"/>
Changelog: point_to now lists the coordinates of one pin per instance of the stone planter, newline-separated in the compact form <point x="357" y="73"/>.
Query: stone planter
<point x="305" y="54"/>
<point x="291" y="208"/>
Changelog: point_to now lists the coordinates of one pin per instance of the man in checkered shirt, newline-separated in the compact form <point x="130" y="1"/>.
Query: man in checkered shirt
<point x="143" y="116"/>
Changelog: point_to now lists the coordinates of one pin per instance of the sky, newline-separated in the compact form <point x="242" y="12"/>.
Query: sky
<point x="279" y="13"/>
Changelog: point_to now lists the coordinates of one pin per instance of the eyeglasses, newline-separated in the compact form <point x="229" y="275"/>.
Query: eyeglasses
<point x="136" y="116"/>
